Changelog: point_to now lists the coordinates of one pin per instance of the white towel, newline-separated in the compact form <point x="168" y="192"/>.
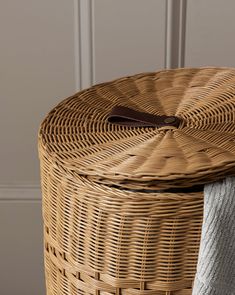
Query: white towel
<point x="216" y="262"/>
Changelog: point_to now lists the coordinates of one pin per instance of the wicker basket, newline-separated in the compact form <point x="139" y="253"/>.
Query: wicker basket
<point x="123" y="197"/>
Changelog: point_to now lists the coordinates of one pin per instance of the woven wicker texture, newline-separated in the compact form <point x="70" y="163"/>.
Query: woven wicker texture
<point x="111" y="226"/>
<point x="106" y="241"/>
<point x="81" y="140"/>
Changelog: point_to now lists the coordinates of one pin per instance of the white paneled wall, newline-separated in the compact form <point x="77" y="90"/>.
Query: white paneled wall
<point x="52" y="48"/>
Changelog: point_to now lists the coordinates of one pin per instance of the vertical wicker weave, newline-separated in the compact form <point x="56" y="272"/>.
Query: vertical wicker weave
<point x="123" y="205"/>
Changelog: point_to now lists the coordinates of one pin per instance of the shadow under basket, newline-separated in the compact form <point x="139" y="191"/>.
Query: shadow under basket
<point x="122" y="183"/>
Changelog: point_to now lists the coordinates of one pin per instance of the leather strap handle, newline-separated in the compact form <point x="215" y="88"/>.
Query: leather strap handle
<point x="128" y="117"/>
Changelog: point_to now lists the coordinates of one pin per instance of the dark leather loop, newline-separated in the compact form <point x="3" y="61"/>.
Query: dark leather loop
<point x="129" y="117"/>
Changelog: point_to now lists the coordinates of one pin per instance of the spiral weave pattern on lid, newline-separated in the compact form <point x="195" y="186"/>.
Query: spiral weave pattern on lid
<point x="78" y="137"/>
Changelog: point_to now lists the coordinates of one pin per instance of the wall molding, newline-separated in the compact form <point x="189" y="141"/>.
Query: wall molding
<point x="176" y="12"/>
<point x="84" y="43"/>
<point x="182" y="33"/>
<point x="20" y="193"/>
<point x="84" y="39"/>
<point x="77" y="54"/>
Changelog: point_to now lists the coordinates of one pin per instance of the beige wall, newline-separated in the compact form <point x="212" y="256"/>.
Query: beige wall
<point x="210" y="31"/>
<point x="36" y="72"/>
<point x="51" y="48"/>
<point x="128" y="37"/>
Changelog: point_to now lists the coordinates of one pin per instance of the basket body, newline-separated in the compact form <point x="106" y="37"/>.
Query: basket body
<point x="107" y="241"/>
<point x="117" y="217"/>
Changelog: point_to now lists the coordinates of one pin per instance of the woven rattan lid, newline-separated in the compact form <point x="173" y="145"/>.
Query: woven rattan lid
<point x="77" y="136"/>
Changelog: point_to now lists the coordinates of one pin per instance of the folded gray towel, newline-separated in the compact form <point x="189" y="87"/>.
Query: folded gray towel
<point x="216" y="262"/>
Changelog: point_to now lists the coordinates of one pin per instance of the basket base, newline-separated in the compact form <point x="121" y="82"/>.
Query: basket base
<point x="64" y="279"/>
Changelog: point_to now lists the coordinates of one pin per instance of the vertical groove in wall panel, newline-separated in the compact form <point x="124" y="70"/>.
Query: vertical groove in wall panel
<point x="182" y="32"/>
<point x="168" y="34"/>
<point x="93" y="70"/>
<point x="77" y="53"/>
<point x="175" y="33"/>
<point x="86" y="43"/>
